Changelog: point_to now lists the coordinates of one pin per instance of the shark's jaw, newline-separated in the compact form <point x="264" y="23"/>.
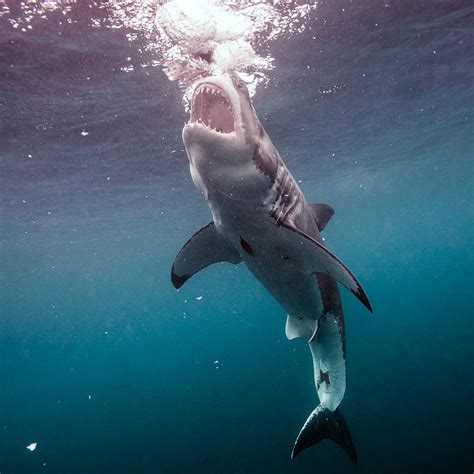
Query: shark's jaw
<point x="218" y="110"/>
<point x="212" y="108"/>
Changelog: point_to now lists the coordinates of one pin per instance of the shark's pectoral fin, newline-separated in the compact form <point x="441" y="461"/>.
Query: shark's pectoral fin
<point x="205" y="247"/>
<point x="321" y="213"/>
<point x="314" y="257"/>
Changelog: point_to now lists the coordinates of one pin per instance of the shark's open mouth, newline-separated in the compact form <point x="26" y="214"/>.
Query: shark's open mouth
<point x="212" y="107"/>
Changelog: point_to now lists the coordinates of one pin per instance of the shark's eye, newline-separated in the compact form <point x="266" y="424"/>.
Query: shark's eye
<point x="243" y="87"/>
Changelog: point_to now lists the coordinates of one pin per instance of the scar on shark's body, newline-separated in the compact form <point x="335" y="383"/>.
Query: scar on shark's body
<point x="246" y="246"/>
<point x="323" y="378"/>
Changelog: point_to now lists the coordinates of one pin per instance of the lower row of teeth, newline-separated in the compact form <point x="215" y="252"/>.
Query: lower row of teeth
<point x="204" y="124"/>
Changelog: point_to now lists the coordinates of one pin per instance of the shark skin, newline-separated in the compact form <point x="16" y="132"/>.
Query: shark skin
<point x="260" y="217"/>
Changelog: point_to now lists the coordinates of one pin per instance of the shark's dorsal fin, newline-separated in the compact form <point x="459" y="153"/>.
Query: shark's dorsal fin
<point x="321" y="213"/>
<point x="205" y="247"/>
<point x="313" y="257"/>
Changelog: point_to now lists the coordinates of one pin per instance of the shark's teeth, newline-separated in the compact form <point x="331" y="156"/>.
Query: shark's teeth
<point x="210" y="89"/>
<point x="200" y="124"/>
<point x="214" y="112"/>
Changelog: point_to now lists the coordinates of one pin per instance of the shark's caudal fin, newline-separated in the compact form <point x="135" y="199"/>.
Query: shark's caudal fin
<point x="325" y="424"/>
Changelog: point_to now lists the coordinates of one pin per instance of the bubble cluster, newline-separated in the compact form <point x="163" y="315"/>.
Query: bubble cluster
<point x="205" y="37"/>
<point x="190" y="39"/>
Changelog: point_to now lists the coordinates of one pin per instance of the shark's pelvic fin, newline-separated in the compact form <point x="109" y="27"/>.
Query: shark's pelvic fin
<point x="205" y="247"/>
<point x="321" y="213"/>
<point x="314" y="257"/>
<point x="300" y="327"/>
<point x="325" y="424"/>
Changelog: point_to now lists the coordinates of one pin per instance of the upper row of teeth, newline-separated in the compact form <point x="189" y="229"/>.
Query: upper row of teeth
<point x="210" y="89"/>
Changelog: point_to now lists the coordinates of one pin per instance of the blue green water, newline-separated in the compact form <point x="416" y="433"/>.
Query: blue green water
<point x="110" y="369"/>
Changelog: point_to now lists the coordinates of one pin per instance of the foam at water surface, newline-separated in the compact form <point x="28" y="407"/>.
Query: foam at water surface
<point x="205" y="37"/>
<point x="192" y="39"/>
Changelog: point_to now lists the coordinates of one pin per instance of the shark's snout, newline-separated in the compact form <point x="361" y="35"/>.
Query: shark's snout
<point x="211" y="107"/>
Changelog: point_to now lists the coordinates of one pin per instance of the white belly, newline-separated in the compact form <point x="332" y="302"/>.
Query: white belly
<point x="256" y="236"/>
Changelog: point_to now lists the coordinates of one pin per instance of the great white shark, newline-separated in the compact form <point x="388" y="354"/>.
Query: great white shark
<point x="260" y="217"/>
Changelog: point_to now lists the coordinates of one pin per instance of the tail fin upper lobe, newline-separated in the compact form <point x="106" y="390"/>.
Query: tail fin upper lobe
<point x="325" y="424"/>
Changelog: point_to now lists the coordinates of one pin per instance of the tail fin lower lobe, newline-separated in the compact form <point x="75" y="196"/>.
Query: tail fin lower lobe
<point x="325" y="424"/>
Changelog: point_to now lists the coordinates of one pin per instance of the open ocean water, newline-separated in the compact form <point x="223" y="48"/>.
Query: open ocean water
<point x="109" y="369"/>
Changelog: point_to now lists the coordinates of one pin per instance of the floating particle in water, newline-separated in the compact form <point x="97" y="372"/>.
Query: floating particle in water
<point x="32" y="446"/>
